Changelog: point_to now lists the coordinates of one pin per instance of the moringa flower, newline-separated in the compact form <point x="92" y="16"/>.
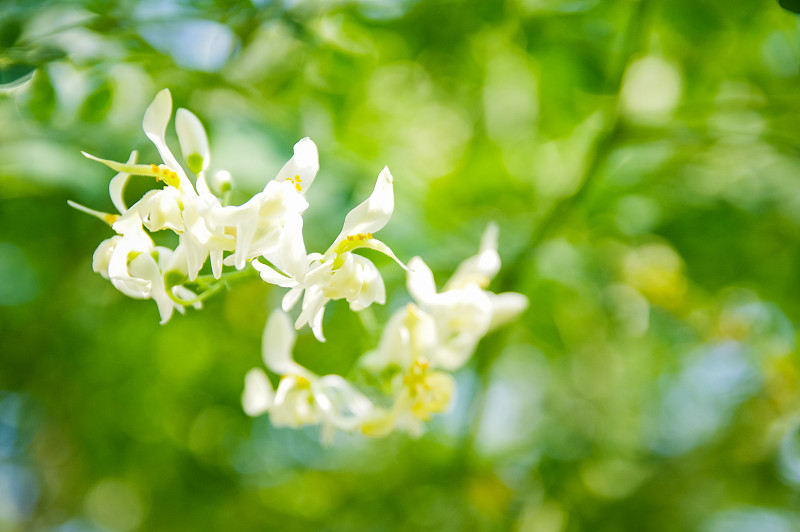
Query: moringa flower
<point x="302" y="398"/>
<point x="260" y="221"/>
<point x="464" y="311"/>
<point x="339" y="273"/>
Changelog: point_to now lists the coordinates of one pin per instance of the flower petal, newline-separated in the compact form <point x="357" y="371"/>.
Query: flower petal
<point x="480" y="268"/>
<point x="116" y="188"/>
<point x="193" y="140"/>
<point x="419" y="281"/>
<point x="258" y="394"/>
<point x="303" y="164"/>
<point x="156" y="118"/>
<point x="505" y="307"/>
<point x="374" y="213"/>
<point x="277" y="344"/>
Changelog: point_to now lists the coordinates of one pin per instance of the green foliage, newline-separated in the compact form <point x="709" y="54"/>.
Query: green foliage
<point x="641" y="159"/>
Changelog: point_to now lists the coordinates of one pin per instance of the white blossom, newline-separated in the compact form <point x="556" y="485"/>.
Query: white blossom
<point x="302" y="398"/>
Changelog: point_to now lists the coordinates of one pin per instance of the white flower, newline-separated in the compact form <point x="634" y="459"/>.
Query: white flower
<point x="338" y="273"/>
<point x="419" y="392"/>
<point x="302" y="398"/>
<point x="134" y="265"/>
<point x="464" y="311"/>
<point x="177" y="207"/>
<point x="259" y="222"/>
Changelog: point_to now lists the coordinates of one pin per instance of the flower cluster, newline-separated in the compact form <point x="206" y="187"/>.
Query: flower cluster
<point x="420" y="345"/>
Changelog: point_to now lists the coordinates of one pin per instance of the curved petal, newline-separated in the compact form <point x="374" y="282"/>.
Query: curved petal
<point x="116" y="188"/>
<point x="156" y="118"/>
<point x="420" y="283"/>
<point x="258" y="394"/>
<point x="303" y="164"/>
<point x="290" y="299"/>
<point x="193" y="140"/>
<point x="480" y="268"/>
<point x="271" y="276"/>
<point x="374" y="213"/>
<point x="277" y="345"/>
<point x="341" y="404"/>
<point x="505" y="307"/>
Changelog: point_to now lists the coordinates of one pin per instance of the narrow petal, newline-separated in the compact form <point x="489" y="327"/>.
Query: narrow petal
<point x="215" y="257"/>
<point x="341" y="404"/>
<point x="258" y="394"/>
<point x="202" y="185"/>
<point x="116" y="188"/>
<point x="482" y="267"/>
<point x="277" y="344"/>
<point x="144" y="266"/>
<point x="505" y="307"/>
<point x="377" y="245"/>
<point x="374" y="213"/>
<point x="419" y="281"/>
<point x="290" y="299"/>
<point x="156" y="118"/>
<point x="271" y="276"/>
<point x="193" y="140"/>
<point x="303" y="164"/>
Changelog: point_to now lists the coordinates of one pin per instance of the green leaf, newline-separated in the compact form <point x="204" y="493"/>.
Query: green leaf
<point x="97" y="104"/>
<point x="14" y="75"/>
<point x="42" y="97"/>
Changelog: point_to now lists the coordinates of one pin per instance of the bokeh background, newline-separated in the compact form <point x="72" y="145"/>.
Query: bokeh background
<point x="642" y="158"/>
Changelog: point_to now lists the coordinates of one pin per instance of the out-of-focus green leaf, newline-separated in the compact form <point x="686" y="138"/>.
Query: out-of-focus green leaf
<point x="98" y="103"/>
<point x="42" y="97"/>
<point x="15" y="74"/>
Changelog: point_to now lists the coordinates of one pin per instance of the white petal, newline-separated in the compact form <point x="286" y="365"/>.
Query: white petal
<point x="193" y="140"/>
<point x="144" y="266"/>
<point x="419" y="280"/>
<point x="304" y="163"/>
<point x="116" y="188"/>
<point x="156" y="118"/>
<point x="102" y="255"/>
<point x="269" y="275"/>
<point x="258" y="393"/>
<point x="374" y="213"/>
<point x="290" y="299"/>
<point x="372" y="287"/>
<point x="216" y="263"/>
<point x="342" y="405"/>
<point x="277" y="345"/>
<point x="202" y="185"/>
<point x="506" y="306"/>
<point x="313" y="306"/>
<point x="482" y="267"/>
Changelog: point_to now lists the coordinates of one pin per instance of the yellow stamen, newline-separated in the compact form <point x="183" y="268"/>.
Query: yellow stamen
<point x="110" y="218"/>
<point x="296" y="182"/>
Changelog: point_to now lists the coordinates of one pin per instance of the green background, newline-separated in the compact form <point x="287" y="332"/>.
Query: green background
<point x="642" y="159"/>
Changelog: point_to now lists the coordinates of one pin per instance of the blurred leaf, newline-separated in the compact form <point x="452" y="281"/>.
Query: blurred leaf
<point x="98" y="103"/>
<point x="15" y="75"/>
<point x="42" y="96"/>
<point x="10" y="31"/>
<point x="791" y="5"/>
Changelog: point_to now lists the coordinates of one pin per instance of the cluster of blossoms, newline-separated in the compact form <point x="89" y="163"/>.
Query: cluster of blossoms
<point x="420" y="345"/>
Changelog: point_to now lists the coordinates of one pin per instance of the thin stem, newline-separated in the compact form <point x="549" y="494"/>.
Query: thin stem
<point x="211" y="285"/>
